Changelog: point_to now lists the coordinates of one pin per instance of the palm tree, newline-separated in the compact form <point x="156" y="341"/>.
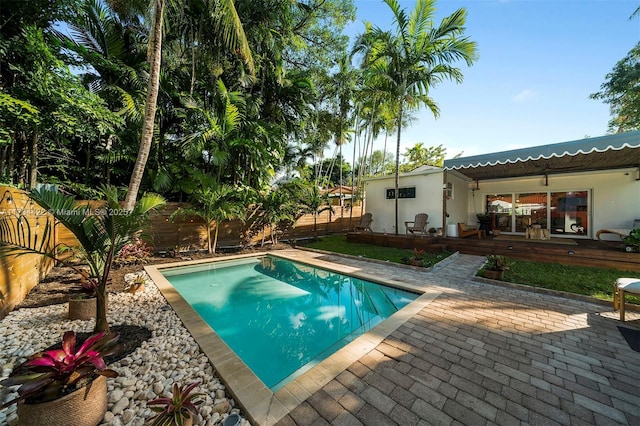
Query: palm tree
<point x="213" y="204"/>
<point x="277" y="206"/>
<point x="101" y="233"/>
<point x="310" y="200"/>
<point x="232" y="35"/>
<point x="406" y="63"/>
<point x="345" y="79"/>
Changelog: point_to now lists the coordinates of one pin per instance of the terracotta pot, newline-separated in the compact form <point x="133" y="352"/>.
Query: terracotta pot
<point x="82" y="309"/>
<point x="84" y="407"/>
<point x="494" y="275"/>
<point x="416" y="262"/>
<point x="136" y="288"/>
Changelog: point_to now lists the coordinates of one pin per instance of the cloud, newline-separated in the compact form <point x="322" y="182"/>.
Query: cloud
<point x="523" y="96"/>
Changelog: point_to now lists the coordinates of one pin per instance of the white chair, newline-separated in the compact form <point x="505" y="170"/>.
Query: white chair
<point x="622" y="286"/>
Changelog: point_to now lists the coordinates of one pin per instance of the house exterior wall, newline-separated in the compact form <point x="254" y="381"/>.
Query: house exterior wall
<point x="428" y="200"/>
<point x="459" y="203"/>
<point x="614" y="198"/>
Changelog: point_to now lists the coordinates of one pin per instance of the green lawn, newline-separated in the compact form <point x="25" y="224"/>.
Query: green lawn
<point x="339" y="244"/>
<point x="593" y="282"/>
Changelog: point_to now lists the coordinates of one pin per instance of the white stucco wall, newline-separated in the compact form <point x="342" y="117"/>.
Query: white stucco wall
<point x="428" y="200"/>
<point x="458" y="205"/>
<point x="615" y="195"/>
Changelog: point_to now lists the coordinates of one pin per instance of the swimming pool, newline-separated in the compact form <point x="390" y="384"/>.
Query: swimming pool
<point x="283" y="317"/>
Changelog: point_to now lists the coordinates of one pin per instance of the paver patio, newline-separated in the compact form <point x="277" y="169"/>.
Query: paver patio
<point x="485" y="354"/>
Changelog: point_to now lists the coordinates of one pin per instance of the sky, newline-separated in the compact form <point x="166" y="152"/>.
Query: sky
<point x="539" y="60"/>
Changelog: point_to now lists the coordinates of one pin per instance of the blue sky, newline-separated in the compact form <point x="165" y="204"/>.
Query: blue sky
<point x="538" y="62"/>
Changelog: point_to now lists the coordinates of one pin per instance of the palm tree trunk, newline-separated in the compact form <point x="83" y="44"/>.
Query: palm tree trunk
<point x="384" y="151"/>
<point x="33" y="170"/>
<point x="101" y="295"/>
<point x="150" y="106"/>
<point x="315" y="222"/>
<point x="353" y="180"/>
<point x="341" y="207"/>
<point x="398" y="163"/>
<point x="209" y="237"/>
<point x="215" y="240"/>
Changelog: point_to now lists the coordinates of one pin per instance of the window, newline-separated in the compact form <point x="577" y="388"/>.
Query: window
<point x="448" y="190"/>
<point x="407" y="192"/>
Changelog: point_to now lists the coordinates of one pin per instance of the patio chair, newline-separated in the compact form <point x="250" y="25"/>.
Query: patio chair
<point x="620" y="232"/>
<point x="418" y="225"/>
<point x="467" y="231"/>
<point x="621" y="287"/>
<point x="365" y="223"/>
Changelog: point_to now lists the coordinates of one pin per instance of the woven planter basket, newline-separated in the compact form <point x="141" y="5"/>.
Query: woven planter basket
<point x="82" y="309"/>
<point x="84" y="407"/>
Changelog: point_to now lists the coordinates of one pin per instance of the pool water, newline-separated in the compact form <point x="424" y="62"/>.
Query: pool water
<point x="282" y="317"/>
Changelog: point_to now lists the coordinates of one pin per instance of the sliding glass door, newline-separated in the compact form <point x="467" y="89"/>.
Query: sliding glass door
<point x="531" y="209"/>
<point x="563" y="213"/>
<point x="570" y="212"/>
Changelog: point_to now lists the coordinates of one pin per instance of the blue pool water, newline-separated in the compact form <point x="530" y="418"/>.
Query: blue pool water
<point x="282" y="317"/>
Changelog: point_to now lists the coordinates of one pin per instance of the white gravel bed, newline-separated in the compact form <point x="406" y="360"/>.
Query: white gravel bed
<point x="170" y="355"/>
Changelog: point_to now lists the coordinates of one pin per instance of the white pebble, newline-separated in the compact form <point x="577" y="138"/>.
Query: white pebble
<point x="115" y="395"/>
<point x="120" y="405"/>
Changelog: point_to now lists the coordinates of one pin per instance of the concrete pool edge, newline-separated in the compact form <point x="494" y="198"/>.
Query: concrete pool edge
<point x="260" y="404"/>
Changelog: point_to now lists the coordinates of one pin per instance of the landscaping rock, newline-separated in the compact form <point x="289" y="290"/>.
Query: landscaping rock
<point x="170" y="355"/>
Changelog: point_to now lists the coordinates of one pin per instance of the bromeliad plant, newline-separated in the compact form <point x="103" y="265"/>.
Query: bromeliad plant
<point x="497" y="262"/>
<point x="180" y="407"/>
<point x="51" y="374"/>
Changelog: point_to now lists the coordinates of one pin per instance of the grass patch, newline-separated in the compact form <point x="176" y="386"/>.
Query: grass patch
<point x="339" y="244"/>
<point x="593" y="282"/>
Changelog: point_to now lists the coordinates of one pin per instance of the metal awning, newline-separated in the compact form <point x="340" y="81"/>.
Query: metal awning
<point x="616" y="151"/>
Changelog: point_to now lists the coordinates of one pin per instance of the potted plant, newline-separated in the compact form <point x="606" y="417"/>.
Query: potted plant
<point x="179" y="409"/>
<point x="432" y="232"/>
<point x="495" y="266"/>
<point x="65" y="386"/>
<point x="416" y="260"/>
<point x="137" y="285"/>
<point x="632" y="241"/>
<point x="83" y="306"/>
<point x="484" y="218"/>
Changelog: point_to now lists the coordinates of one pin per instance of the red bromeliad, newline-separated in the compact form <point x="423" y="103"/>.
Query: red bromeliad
<point x="48" y="374"/>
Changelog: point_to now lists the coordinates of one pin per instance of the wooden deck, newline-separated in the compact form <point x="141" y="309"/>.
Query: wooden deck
<point x="582" y="253"/>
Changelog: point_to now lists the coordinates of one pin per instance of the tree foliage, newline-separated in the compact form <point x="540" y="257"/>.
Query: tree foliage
<point x="621" y="92"/>
<point x="419" y="155"/>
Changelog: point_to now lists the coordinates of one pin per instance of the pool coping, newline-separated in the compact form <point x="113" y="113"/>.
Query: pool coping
<point x="260" y="404"/>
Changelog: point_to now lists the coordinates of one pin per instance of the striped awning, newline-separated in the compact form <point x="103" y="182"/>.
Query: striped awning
<point x="616" y="151"/>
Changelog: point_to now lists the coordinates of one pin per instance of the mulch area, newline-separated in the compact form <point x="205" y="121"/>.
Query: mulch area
<point x="62" y="283"/>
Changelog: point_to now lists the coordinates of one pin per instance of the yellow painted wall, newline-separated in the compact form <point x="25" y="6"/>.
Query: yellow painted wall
<point x="19" y="274"/>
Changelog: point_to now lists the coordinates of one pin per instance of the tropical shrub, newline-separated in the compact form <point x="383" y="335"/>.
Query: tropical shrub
<point x="137" y="252"/>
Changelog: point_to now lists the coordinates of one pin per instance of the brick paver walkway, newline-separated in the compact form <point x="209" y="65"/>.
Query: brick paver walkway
<point x="483" y="354"/>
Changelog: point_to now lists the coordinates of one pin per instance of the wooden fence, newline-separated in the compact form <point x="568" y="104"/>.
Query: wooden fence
<point x="18" y="275"/>
<point x="21" y="219"/>
<point x="190" y="233"/>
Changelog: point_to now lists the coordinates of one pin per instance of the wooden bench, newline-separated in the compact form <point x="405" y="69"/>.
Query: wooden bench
<point x="466" y="231"/>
